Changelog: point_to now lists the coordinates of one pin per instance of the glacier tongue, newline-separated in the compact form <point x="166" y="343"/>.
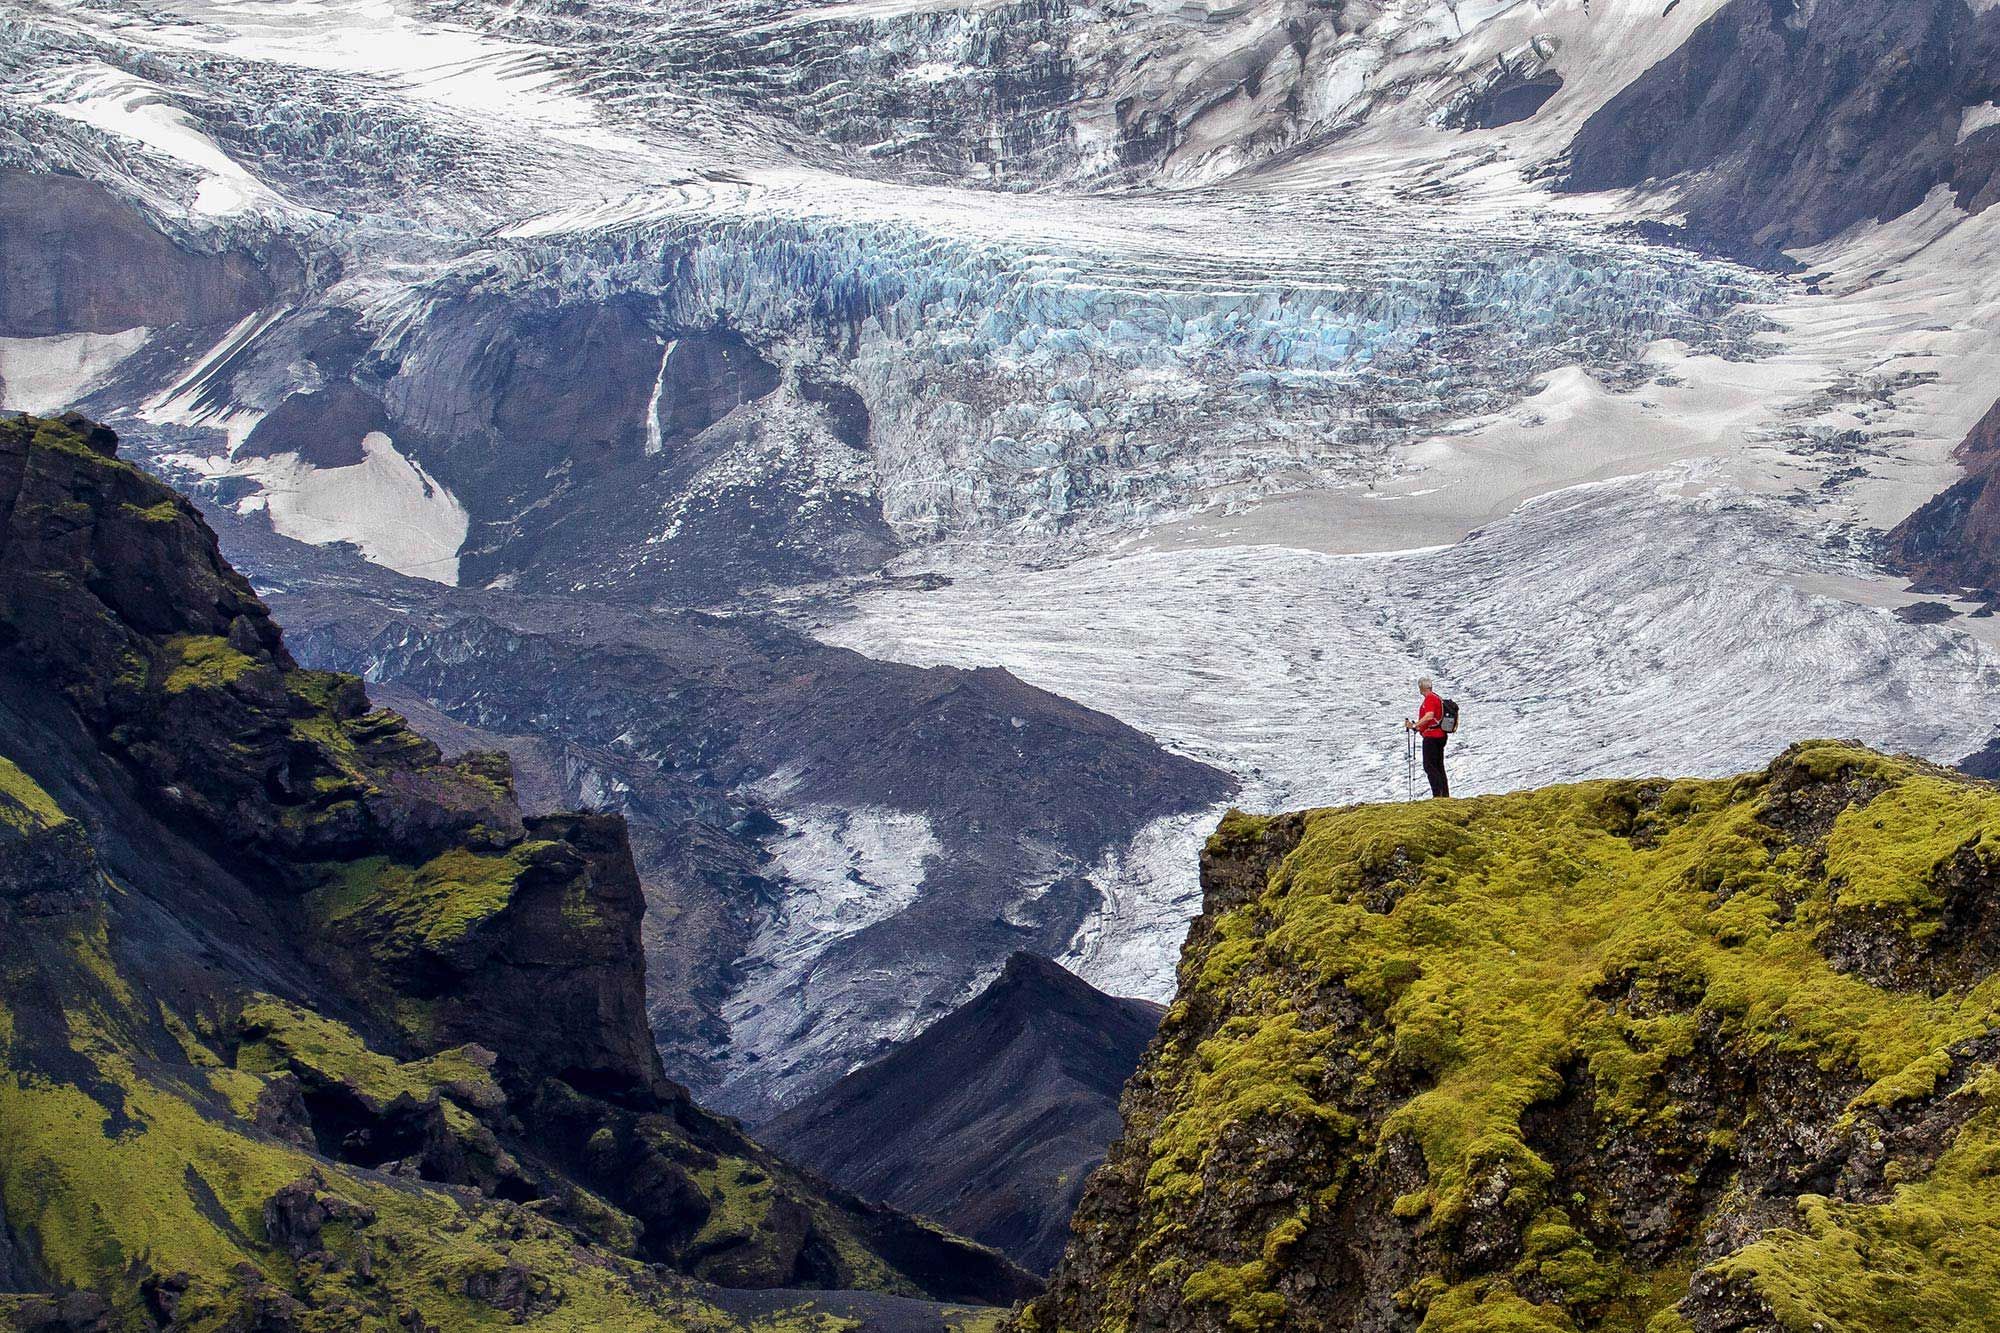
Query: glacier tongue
<point x="844" y="871"/>
<point x="1571" y="654"/>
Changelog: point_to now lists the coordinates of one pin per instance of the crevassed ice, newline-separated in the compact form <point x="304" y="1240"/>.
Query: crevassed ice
<point x="1062" y="375"/>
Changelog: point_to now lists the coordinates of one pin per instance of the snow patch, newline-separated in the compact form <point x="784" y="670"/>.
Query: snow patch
<point x="387" y="505"/>
<point x="1977" y="118"/>
<point x="45" y="375"/>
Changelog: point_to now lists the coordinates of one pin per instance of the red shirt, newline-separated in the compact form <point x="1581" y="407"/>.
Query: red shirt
<point x="1433" y="709"/>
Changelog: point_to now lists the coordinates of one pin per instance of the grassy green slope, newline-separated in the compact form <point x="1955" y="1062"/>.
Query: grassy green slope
<point x="1625" y="1055"/>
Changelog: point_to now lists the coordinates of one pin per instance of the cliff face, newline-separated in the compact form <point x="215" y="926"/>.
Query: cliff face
<point x="1791" y="121"/>
<point x="303" y="1027"/>
<point x="1696" y="1055"/>
<point x="1954" y="540"/>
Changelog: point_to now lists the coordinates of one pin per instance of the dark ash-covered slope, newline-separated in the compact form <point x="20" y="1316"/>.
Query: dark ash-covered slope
<point x="715" y="736"/>
<point x="304" y="1027"/>
<point x="1703" y="1056"/>
<point x="992" y="1119"/>
<point x="1783" y="122"/>
<point x="1954" y="540"/>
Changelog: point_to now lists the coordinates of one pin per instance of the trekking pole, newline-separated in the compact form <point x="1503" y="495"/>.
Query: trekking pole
<point x="1409" y="767"/>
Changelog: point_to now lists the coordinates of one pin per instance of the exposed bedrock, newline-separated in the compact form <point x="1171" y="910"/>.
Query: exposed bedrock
<point x="1693" y="1055"/>
<point x="1783" y="122"/>
<point x="309" y="1026"/>
<point x="75" y="258"/>
<point x="1954" y="540"/>
<point x="991" y="1120"/>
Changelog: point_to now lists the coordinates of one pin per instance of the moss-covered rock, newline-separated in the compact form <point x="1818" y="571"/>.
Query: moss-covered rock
<point x="144" y="1183"/>
<point x="303" y="1027"/>
<point x="46" y="864"/>
<point x="1625" y="1055"/>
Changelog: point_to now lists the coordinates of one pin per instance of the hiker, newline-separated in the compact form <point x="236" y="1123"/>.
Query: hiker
<point x="1429" y="723"/>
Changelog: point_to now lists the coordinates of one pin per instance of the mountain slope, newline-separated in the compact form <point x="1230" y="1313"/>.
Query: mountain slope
<point x="305" y="1027"/>
<point x="845" y="846"/>
<point x="1780" y="124"/>
<point x="1954" y="540"/>
<point x="989" y="1121"/>
<point x="1694" y="1055"/>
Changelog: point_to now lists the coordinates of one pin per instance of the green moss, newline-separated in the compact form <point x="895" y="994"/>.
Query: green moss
<point x="975" y="1320"/>
<point x="1476" y="1308"/>
<point x="1244" y="1291"/>
<point x="202" y="662"/>
<point x="802" y="1319"/>
<point x="1607" y="927"/>
<point x="162" y="511"/>
<point x="280" y="1037"/>
<point x="399" y="910"/>
<point x="1929" y="1258"/>
<point x="124" y="1166"/>
<point x="1887" y="854"/>
<point x="740" y="1194"/>
<point x="321" y="720"/>
<point x="23" y="804"/>
<point x="579" y="911"/>
<point x="1256" y="1066"/>
<point x="46" y="433"/>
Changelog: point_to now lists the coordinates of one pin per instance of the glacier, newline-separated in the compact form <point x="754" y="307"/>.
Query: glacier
<point x="1217" y="365"/>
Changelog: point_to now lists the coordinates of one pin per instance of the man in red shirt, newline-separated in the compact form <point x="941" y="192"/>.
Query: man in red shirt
<point x="1429" y="723"/>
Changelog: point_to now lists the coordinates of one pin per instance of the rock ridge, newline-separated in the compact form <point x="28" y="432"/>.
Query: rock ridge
<point x="1684" y="1056"/>
<point x="304" y="1027"/>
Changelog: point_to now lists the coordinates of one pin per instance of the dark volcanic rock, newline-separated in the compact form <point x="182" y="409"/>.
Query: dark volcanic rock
<point x="1954" y="540"/>
<point x="1787" y="122"/>
<point x="324" y="428"/>
<point x="1514" y="100"/>
<point x="703" y="377"/>
<point x="993" y="1118"/>
<point x="284" y="952"/>
<point x="1611" y="1055"/>
<point x="74" y="258"/>
<point x="1925" y="613"/>
<point x="1983" y="763"/>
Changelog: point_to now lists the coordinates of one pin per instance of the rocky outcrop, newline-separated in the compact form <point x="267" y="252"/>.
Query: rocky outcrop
<point x="75" y="258"/>
<point x="991" y="1120"/>
<point x="1954" y="540"/>
<point x="1683" y="1056"/>
<point x="308" y="1027"/>
<point x="1783" y="122"/>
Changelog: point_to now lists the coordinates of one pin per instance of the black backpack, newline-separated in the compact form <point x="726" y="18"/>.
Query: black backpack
<point x="1448" y="718"/>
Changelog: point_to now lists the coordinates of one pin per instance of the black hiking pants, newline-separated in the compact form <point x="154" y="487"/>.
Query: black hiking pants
<point x="1434" y="765"/>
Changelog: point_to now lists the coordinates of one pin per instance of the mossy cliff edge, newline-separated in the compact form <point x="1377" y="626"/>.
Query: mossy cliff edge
<point x="303" y="1027"/>
<point x="1660" y="1056"/>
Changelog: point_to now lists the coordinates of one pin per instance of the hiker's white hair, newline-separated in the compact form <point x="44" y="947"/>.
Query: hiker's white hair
<point x="1423" y="682"/>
